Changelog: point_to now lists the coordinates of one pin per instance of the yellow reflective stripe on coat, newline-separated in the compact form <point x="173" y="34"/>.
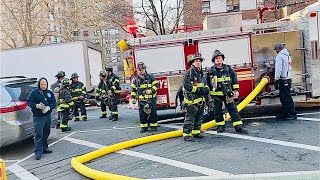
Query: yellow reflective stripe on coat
<point x="147" y="96"/>
<point x="216" y="93"/>
<point x="195" y="132"/>
<point x="198" y="100"/>
<point x="134" y="86"/>
<point x="153" y="124"/>
<point x="235" y="86"/>
<point x="221" y="123"/>
<point x="117" y="91"/>
<point x="145" y="86"/>
<point x="200" y="85"/>
<point x="154" y="83"/>
<point x="71" y="103"/>
<point x="76" y="90"/>
<point x="223" y="79"/>
<point x="97" y="94"/>
<point x="133" y="93"/>
<point x="237" y="123"/>
<point x="144" y="125"/>
<point x="75" y="98"/>
<point x="64" y="106"/>
<point x="194" y="89"/>
<point x="113" y="87"/>
<point x="155" y="88"/>
<point x="115" y="81"/>
<point x="103" y="91"/>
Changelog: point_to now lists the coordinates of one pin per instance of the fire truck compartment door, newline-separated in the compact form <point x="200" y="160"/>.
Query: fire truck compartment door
<point x="161" y="58"/>
<point x="236" y="50"/>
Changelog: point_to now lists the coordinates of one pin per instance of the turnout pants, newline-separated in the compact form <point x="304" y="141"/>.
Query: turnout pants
<point x="79" y="104"/>
<point x="113" y="105"/>
<point x="193" y="119"/>
<point x="65" y="117"/>
<point x="286" y="99"/>
<point x="232" y="109"/>
<point x="148" y="119"/>
<point x="103" y="107"/>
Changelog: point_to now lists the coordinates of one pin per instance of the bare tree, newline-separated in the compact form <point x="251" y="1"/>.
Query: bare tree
<point x="161" y="16"/>
<point x="23" y="23"/>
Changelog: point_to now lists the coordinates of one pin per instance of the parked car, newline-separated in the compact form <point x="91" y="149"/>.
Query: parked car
<point x="125" y="91"/>
<point x="16" y="120"/>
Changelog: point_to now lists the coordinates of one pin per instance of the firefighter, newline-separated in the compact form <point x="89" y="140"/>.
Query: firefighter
<point x="55" y="87"/>
<point x="144" y="88"/>
<point x="113" y="86"/>
<point x="64" y="104"/>
<point x="101" y="94"/>
<point x="60" y="76"/>
<point x="78" y="93"/>
<point x="224" y="88"/>
<point x="283" y="80"/>
<point x="195" y="90"/>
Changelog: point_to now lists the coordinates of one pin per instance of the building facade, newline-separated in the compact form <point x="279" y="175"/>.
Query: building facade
<point x="196" y="10"/>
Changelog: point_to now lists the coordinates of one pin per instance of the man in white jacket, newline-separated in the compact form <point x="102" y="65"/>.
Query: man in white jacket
<point x="283" y="80"/>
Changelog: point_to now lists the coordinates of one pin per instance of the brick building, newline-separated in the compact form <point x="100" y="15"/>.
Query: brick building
<point x="196" y="10"/>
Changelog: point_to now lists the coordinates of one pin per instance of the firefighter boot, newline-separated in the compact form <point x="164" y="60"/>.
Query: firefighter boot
<point x="65" y="129"/>
<point x="240" y="129"/>
<point x="76" y="119"/>
<point x="154" y="128"/>
<point x="103" y="116"/>
<point x="221" y="128"/>
<point x="84" y="118"/>
<point x="198" y="136"/>
<point x="188" y="138"/>
<point x="115" y="118"/>
<point x="143" y="129"/>
<point x="111" y="117"/>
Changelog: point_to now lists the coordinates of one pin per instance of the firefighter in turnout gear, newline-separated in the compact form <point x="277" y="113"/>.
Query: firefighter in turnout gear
<point x="195" y="90"/>
<point x="101" y="94"/>
<point x="113" y="87"/>
<point x="78" y="93"/>
<point x="224" y="87"/>
<point x="144" y="88"/>
<point x="55" y="88"/>
<point x="64" y="104"/>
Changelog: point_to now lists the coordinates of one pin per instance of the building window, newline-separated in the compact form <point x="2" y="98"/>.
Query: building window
<point x="233" y="5"/>
<point x="54" y="39"/>
<point x="85" y="33"/>
<point x="97" y="41"/>
<point x="205" y="6"/>
<point x="112" y="31"/>
<point x="113" y="50"/>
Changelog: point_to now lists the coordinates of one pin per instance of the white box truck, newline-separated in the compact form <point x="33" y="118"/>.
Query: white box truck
<point x="81" y="57"/>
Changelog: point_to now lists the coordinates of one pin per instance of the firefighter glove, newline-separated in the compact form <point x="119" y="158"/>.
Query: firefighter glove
<point x="40" y="106"/>
<point x="148" y="91"/>
<point x="46" y="109"/>
<point x="276" y="84"/>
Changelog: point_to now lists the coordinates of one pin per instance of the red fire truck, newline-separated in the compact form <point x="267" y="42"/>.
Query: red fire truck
<point x="248" y="49"/>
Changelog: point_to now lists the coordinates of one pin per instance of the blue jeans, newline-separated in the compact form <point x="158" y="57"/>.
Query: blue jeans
<point x="42" y="132"/>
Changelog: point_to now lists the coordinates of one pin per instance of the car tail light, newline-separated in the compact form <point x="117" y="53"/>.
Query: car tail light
<point x="14" y="106"/>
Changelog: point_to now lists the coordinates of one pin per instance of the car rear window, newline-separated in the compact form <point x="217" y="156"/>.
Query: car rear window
<point x="5" y="97"/>
<point x="20" y="91"/>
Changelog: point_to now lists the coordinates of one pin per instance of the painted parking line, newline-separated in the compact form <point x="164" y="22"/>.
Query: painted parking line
<point x="281" y="175"/>
<point x="258" y="139"/>
<point x="182" y="165"/>
<point x="21" y="172"/>
<point x="308" y="119"/>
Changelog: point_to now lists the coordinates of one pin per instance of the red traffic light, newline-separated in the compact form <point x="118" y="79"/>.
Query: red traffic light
<point x="132" y="27"/>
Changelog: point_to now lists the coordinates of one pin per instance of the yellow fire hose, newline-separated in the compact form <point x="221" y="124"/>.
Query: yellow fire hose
<point x="78" y="162"/>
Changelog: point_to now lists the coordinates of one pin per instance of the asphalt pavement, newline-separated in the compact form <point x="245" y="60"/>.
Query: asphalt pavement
<point x="273" y="149"/>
